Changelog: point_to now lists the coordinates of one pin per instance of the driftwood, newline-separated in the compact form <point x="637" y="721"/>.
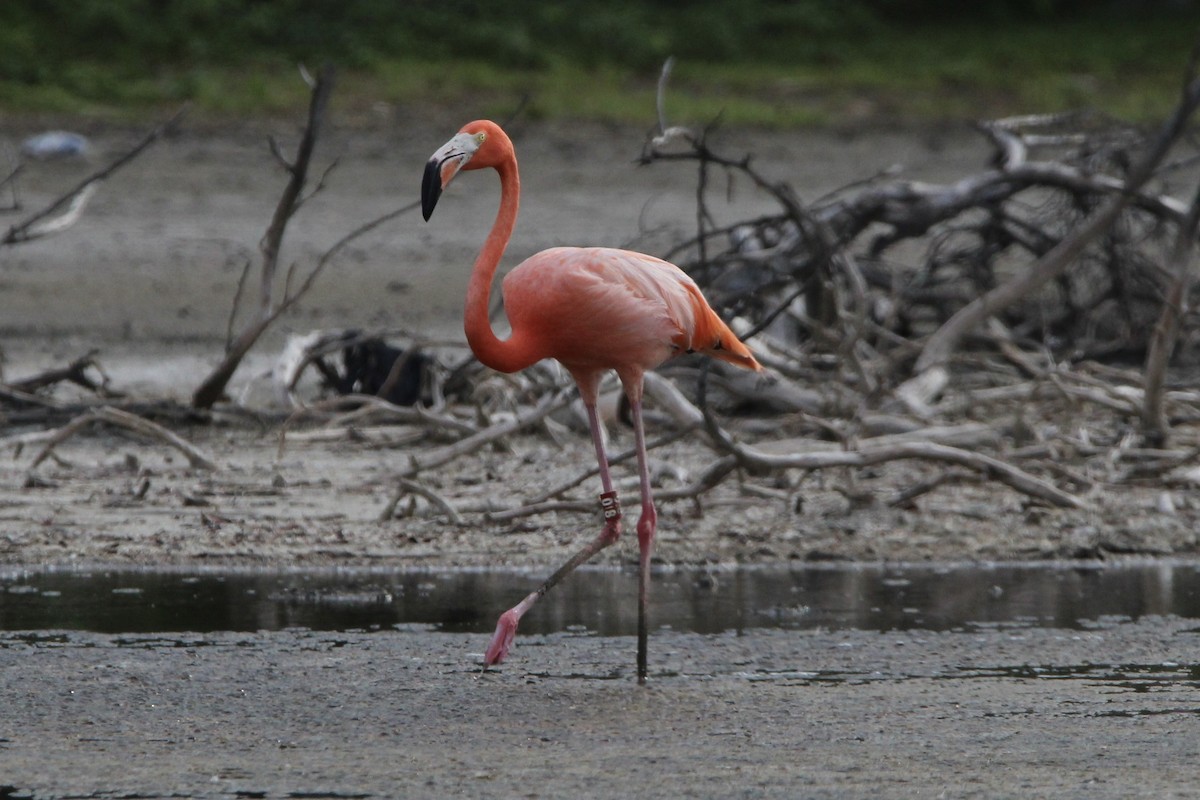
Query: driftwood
<point x="10" y="181"/>
<point x="471" y="444"/>
<point x="75" y="372"/>
<point x="123" y="419"/>
<point x="367" y="409"/>
<point x="770" y="264"/>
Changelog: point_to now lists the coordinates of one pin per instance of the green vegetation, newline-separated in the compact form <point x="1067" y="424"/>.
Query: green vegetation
<point x="769" y="62"/>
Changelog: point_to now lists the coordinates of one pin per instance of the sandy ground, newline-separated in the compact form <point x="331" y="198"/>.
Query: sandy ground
<point x="147" y="278"/>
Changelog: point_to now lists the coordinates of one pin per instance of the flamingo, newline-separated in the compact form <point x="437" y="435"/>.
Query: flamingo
<point x="592" y="309"/>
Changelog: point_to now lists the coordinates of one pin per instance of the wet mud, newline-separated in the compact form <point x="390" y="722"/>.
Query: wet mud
<point x="1111" y="712"/>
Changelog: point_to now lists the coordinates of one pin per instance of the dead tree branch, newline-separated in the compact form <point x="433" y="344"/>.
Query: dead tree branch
<point x="366" y="408"/>
<point x="270" y="309"/>
<point x="74" y="372"/>
<point x="1011" y="476"/>
<point x="436" y="500"/>
<point x="1175" y="304"/>
<point x="10" y="180"/>
<point x="1166" y="332"/>
<point x="65" y="211"/>
<point x="213" y="387"/>
<point x="115" y="416"/>
<point x="472" y="444"/>
<point x="289" y="201"/>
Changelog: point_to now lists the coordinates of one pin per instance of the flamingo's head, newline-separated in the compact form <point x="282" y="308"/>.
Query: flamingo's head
<point x="477" y="145"/>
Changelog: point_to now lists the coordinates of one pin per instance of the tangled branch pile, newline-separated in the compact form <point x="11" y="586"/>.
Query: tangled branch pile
<point x="881" y="264"/>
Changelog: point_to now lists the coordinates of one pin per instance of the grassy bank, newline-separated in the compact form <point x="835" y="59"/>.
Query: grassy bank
<point x="1130" y="66"/>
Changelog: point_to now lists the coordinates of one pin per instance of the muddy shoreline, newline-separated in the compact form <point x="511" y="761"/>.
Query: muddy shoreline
<point x="762" y="714"/>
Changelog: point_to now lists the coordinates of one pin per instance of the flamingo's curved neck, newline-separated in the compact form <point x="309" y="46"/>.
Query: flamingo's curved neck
<point x="499" y="354"/>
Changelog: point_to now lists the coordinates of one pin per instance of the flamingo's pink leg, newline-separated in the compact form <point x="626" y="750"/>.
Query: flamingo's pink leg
<point x="506" y="628"/>
<point x="647" y="524"/>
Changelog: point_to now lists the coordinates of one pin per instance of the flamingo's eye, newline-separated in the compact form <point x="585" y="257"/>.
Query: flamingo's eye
<point x="480" y="138"/>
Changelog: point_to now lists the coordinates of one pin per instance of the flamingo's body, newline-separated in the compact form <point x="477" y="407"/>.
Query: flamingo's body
<point x="597" y="308"/>
<point x="592" y="309"/>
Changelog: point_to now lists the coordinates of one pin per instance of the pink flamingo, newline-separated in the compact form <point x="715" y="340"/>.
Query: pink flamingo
<point x="593" y="309"/>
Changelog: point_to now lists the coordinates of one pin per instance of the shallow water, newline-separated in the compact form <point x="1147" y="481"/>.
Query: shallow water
<point x="874" y="598"/>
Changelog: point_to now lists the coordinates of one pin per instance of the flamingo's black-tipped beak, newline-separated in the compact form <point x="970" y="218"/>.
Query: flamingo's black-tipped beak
<point x="431" y="188"/>
<point x="444" y="165"/>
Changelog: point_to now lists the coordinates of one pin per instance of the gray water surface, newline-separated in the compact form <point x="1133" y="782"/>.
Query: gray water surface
<point x="602" y="601"/>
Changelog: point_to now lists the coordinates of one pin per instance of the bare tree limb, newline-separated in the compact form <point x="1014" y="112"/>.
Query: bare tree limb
<point x="210" y="391"/>
<point x="67" y="209"/>
<point x="289" y="201"/>
<point x="1175" y="307"/>
<point x="376" y="408"/>
<point x="472" y="444"/>
<point x="583" y="475"/>
<point x="115" y="416"/>
<point x="713" y="475"/>
<point x="212" y="388"/>
<point x="435" y="499"/>
<point x="74" y="372"/>
<point x="868" y="456"/>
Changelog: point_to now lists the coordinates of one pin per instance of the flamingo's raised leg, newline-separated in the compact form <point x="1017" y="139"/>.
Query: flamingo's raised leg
<point x="506" y="628"/>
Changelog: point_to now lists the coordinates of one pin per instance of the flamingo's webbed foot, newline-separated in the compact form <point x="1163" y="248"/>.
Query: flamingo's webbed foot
<point x="502" y="639"/>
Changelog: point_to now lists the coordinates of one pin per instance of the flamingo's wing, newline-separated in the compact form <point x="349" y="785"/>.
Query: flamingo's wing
<point x="609" y="307"/>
